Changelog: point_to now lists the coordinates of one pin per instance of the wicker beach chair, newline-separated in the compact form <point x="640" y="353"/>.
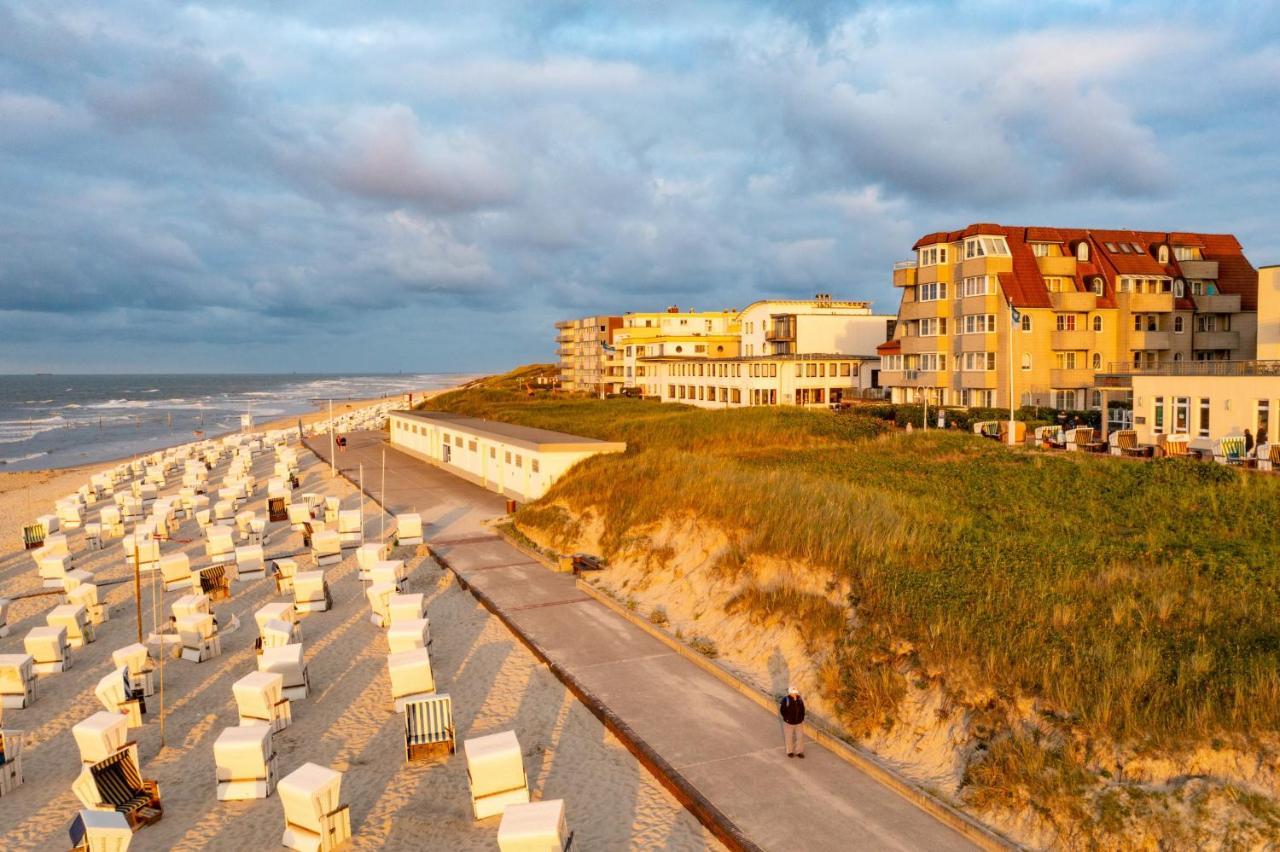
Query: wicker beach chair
<point x="117" y="784"/>
<point x="535" y="825"/>
<point x="428" y="728"/>
<point x="314" y="818"/>
<point x="1230" y="450"/>
<point x="495" y="772"/>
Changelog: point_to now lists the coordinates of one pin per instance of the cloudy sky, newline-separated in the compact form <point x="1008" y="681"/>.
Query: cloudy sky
<point x="336" y="186"/>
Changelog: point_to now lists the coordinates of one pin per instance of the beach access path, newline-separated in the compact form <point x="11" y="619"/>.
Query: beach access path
<point x="691" y="726"/>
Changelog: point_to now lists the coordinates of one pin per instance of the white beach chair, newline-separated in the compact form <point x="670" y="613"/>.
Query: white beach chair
<point x="100" y="831"/>
<point x="299" y="515"/>
<point x="86" y="595"/>
<point x="428" y="727"/>
<point x="220" y="545"/>
<point x="223" y="509"/>
<point x="275" y="634"/>
<point x="311" y="592"/>
<point x="243" y="522"/>
<point x="288" y="662"/>
<point x="368" y="555"/>
<point x="315" y="820"/>
<point x="10" y="761"/>
<point x="68" y="515"/>
<point x="260" y="700"/>
<point x="407" y="608"/>
<point x="244" y="763"/>
<point x="326" y="547"/>
<point x="379" y="596"/>
<point x="350" y="527"/>
<point x="175" y="571"/>
<point x="389" y="571"/>
<point x="332" y="505"/>
<point x="199" y="635"/>
<point x="407" y="634"/>
<point x="52" y="568"/>
<point x="495" y="770"/>
<point x="408" y="529"/>
<point x="75" y="620"/>
<point x="204" y="518"/>
<point x="112" y="523"/>
<point x="145" y="549"/>
<point x="49" y="649"/>
<point x="285" y="571"/>
<point x="250" y="563"/>
<point x="137" y="663"/>
<point x="17" y="681"/>
<point x="49" y="522"/>
<point x="100" y="736"/>
<point x="534" y="827"/>
<point x="411" y="676"/>
<point x="283" y="612"/>
<point x="116" y="785"/>
<point x="93" y="536"/>
<point x="195" y="603"/>
<point x="115" y="693"/>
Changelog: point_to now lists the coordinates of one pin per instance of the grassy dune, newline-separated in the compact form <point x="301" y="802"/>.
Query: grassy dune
<point x="1136" y="603"/>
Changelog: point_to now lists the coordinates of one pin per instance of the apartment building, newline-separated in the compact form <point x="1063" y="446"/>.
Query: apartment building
<point x="789" y="379"/>
<point x="582" y="346"/>
<point x="669" y="334"/>
<point x="1086" y="301"/>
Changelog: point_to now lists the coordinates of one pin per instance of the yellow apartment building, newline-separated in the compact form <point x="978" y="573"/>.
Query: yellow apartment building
<point x="667" y="335"/>
<point x="1087" y="302"/>
<point x="582" y="348"/>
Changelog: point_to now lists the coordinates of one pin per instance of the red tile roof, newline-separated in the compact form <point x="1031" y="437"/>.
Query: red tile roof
<point x="1025" y="285"/>
<point x="889" y="347"/>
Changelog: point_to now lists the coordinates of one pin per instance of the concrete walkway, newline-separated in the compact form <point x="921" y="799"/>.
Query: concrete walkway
<point x="715" y="741"/>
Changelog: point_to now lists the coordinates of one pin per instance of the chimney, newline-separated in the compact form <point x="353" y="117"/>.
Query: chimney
<point x="673" y="309"/>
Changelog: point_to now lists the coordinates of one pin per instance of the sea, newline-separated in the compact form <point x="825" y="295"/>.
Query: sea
<point x="56" y="420"/>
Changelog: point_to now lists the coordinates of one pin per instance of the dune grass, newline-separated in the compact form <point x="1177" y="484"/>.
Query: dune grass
<point x="1136" y="601"/>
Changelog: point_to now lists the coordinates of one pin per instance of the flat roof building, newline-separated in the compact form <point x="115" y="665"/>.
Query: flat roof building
<point x="516" y="461"/>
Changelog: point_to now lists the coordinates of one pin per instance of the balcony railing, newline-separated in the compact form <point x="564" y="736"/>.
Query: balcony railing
<point x="1219" y="303"/>
<point x="1199" y="269"/>
<point x="905" y="275"/>
<point x="904" y="264"/>
<point x="1149" y="302"/>
<point x="1073" y="301"/>
<point x="1195" y="368"/>
<point x="1068" y="378"/>
<point x="1149" y="340"/>
<point x="1072" y="339"/>
<point x="1215" y="340"/>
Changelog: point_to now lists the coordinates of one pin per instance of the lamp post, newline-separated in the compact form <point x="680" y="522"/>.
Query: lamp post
<point x="332" y="470"/>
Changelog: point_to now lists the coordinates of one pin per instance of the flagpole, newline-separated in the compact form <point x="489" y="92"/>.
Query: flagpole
<point x="1013" y="312"/>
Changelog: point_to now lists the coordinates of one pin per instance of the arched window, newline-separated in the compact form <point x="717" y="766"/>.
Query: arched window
<point x="1026" y="360"/>
<point x="1097" y="360"/>
<point x="1082" y="252"/>
<point x="1163" y="254"/>
<point x="1026" y="322"/>
<point x="1097" y="323"/>
<point x="1097" y="285"/>
<point x="1177" y="356"/>
<point x="1179" y="288"/>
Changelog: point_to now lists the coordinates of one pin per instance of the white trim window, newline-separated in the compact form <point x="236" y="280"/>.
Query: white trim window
<point x="984" y="246"/>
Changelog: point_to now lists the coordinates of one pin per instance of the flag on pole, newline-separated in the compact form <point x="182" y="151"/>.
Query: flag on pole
<point x="1017" y="317"/>
<point x="608" y="348"/>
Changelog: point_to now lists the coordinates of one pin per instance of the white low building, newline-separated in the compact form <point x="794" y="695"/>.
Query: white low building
<point x="822" y="380"/>
<point x="515" y="461"/>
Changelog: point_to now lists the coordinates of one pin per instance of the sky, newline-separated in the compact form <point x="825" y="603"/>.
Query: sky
<point x="320" y="185"/>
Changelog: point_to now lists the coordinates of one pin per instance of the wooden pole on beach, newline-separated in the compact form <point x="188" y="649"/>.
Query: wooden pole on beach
<point x="137" y="583"/>
<point x="332" y="472"/>
<point x="362" y="503"/>
<point x="382" y="493"/>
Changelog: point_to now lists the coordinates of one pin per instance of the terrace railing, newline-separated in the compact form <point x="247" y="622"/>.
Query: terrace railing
<point x="1195" y="368"/>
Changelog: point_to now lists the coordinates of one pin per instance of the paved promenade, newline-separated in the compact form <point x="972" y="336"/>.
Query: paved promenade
<point x="716" y="741"/>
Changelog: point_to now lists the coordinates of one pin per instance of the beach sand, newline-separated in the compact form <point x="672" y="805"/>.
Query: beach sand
<point x="347" y="723"/>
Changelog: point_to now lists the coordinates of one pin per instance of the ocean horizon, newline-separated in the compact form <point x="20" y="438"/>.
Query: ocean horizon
<point x="58" y="420"/>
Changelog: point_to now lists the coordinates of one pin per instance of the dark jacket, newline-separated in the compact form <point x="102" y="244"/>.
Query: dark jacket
<point x="792" y="709"/>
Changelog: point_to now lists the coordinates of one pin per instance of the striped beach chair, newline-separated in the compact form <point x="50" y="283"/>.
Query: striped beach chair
<point x="1230" y="450"/>
<point x="428" y="728"/>
<point x="119" y="786"/>
<point x="214" y="583"/>
<point x="33" y="536"/>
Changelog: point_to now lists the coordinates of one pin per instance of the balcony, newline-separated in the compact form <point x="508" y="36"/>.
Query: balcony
<point x="915" y="344"/>
<point x="1073" y="301"/>
<point x="1149" y="340"/>
<point x="920" y="310"/>
<point x="1071" y="340"/>
<point x="905" y="274"/>
<point x="1151" y="303"/>
<point x="781" y="328"/>
<point x="1067" y="379"/>
<point x="1199" y="269"/>
<point x="1221" y="303"/>
<point x="1215" y="340"/>
<point x="1064" y="266"/>
<point x="979" y="379"/>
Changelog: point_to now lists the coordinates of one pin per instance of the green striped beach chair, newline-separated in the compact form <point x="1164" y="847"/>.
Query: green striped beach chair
<point x="1231" y="449"/>
<point x="428" y="728"/>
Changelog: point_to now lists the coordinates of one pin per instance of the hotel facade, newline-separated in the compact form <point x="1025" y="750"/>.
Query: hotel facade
<point x="1088" y="302"/>
<point x="811" y="352"/>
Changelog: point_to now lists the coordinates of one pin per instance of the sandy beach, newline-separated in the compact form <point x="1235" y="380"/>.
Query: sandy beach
<point x="26" y="494"/>
<point x="347" y="723"/>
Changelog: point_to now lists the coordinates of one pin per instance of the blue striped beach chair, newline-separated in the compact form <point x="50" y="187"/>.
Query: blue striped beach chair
<point x="428" y="728"/>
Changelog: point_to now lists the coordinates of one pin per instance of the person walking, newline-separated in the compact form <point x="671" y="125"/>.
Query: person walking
<point x="792" y="712"/>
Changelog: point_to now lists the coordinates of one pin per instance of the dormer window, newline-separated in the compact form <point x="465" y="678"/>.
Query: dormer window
<point x="983" y="246"/>
<point x="1098" y="288"/>
<point x="1082" y="252"/>
<point x="1162" y="254"/>
<point x="1179" y="286"/>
